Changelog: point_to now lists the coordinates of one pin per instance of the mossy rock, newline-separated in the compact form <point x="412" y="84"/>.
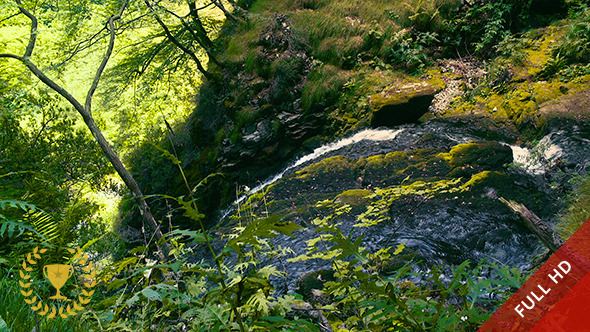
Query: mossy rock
<point x="489" y="185"/>
<point x="354" y="197"/>
<point x="478" y="155"/>
<point x="401" y="103"/>
<point x="392" y="168"/>
<point x="397" y="158"/>
<point x="328" y="165"/>
<point x="575" y="106"/>
<point x="311" y="281"/>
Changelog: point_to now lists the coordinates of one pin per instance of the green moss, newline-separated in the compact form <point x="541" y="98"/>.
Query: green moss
<point x="398" y="94"/>
<point x="397" y="158"/>
<point x="545" y="91"/>
<point x="483" y="154"/>
<point x="512" y="91"/>
<point x="477" y="179"/>
<point x="355" y="197"/>
<point x="435" y="77"/>
<point x="328" y="165"/>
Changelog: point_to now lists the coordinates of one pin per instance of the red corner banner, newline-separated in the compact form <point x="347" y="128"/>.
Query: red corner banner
<point x="556" y="297"/>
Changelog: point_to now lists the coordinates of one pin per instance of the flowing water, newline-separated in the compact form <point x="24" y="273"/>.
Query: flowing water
<point x="370" y="135"/>
<point x="440" y="231"/>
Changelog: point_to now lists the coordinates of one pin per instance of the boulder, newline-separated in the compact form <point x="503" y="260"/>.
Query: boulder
<point x="310" y="285"/>
<point x="473" y="157"/>
<point x="401" y="104"/>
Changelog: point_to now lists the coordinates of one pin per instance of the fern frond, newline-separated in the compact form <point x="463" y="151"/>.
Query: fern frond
<point x="43" y="224"/>
<point x="14" y="229"/>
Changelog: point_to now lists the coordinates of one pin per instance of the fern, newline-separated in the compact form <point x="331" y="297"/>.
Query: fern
<point x="44" y="225"/>
<point x="35" y="224"/>
<point x="14" y="229"/>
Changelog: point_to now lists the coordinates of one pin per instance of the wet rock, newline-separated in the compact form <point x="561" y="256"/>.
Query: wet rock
<point x="473" y="157"/>
<point x="310" y="285"/>
<point x="401" y="104"/>
<point x="262" y="133"/>
<point x="299" y="126"/>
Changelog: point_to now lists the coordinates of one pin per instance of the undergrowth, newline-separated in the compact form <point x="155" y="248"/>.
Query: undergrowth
<point x="238" y="283"/>
<point x="578" y="210"/>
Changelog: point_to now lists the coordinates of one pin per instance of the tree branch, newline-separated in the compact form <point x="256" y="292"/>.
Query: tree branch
<point x="194" y="14"/>
<point x="13" y="56"/>
<point x="33" y="36"/>
<point x="178" y="44"/>
<point x="227" y="14"/>
<point x="9" y="17"/>
<point x="81" y="47"/>
<point x="105" y="58"/>
<point x="89" y="120"/>
<point x="205" y="44"/>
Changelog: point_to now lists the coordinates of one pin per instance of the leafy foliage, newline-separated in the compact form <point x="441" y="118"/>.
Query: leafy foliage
<point x="364" y="298"/>
<point x="574" y="47"/>
<point x="578" y="211"/>
<point x="234" y="286"/>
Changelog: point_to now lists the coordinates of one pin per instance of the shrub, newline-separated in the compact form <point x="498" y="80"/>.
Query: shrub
<point x="579" y="208"/>
<point x="575" y="47"/>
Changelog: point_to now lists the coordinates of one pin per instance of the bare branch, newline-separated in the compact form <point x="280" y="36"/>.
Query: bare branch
<point x="33" y="37"/>
<point x="92" y="40"/>
<point x="79" y="48"/>
<point x="13" y="56"/>
<point x="202" y="43"/>
<point x="105" y="58"/>
<point x="9" y="17"/>
<point x="178" y="44"/>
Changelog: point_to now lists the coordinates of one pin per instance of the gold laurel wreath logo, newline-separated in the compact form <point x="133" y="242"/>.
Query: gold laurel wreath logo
<point x="51" y="311"/>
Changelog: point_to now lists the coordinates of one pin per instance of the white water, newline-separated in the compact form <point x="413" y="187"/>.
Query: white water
<point x="374" y="135"/>
<point x="537" y="159"/>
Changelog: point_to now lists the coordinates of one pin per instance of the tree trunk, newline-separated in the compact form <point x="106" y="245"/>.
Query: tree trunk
<point x="537" y="226"/>
<point x="86" y="113"/>
<point x="128" y="180"/>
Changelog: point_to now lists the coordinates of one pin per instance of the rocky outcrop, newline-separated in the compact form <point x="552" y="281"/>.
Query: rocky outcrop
<point x="401" y="104"/>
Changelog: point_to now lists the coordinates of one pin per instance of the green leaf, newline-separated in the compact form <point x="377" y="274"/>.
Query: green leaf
<point x="132" y="300"/>
<point x="3" y="326"/>
<point x="17" y="204"/>
<point x="151" y="294"/>
<point x="166" y="154"/>
<point x="195" y="236"/>
<point x="265" y="227"/>
<point x="116" y="284"/>
<point x="399" y="248"/>
<point x="259" y="302"/>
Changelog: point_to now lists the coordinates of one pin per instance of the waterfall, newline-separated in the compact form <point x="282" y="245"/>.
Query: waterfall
<point x="374" y="135"/>
<point x="536" y="160"/>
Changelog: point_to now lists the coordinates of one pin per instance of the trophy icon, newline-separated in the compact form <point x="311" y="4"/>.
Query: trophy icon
<point x="58" y="274"/>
